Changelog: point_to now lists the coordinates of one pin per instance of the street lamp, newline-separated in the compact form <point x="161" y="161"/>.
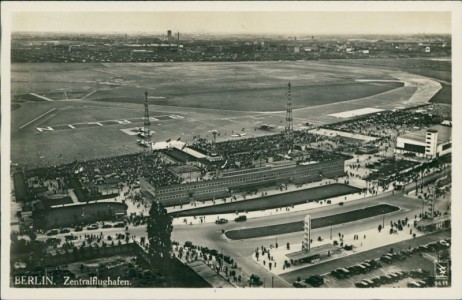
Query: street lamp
<point x="330" y="229"/>
<point x="423" y="204"/>
<point x="383" y="220"/>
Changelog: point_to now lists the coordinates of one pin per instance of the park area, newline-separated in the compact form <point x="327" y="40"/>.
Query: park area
<point x="336" y="219"/>
<point x="274" y="201"/>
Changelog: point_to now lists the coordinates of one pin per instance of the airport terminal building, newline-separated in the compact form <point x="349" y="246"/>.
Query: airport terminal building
<point x="249" y="179"/>
<point x="429" y="143"/>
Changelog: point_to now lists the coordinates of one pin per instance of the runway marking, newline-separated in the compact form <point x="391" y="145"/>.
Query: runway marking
<point x="41" y="129"/>
<point x="122" y="121"/>
<point x="42" y="97"/>
<point x="66" y="95"/>
<point x="37" y="118"/>
<point x="70" y="126"/>
<point x="176" y="117"/>
<point x="88" y="95"/>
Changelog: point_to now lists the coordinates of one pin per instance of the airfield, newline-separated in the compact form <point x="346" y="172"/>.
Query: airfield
<point x="67" y="112"/>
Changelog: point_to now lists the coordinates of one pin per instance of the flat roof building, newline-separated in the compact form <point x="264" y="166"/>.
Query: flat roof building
<point x="429" y="143"/>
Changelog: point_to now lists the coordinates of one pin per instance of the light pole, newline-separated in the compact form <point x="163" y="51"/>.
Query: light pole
<point x="423" y="204"/>
<point x="330" y="229"/>
<point x="383" y="220"/>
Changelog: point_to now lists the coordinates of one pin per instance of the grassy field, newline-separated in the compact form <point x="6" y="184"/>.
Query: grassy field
<point x="444" y="96"/>
<point x="345" y="217"/>
<point x="232" y="86"/>
<point x="274" y="201"/>
<point x="260" y="98"/>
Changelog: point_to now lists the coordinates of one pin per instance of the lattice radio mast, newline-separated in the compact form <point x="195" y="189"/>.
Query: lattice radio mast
<point x="289" y="135"/>
<point x="147" y="121"/>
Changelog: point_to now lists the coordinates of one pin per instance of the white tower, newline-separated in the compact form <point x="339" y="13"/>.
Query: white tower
<point x="307" y="237"/>
<point x="431" y="138"/>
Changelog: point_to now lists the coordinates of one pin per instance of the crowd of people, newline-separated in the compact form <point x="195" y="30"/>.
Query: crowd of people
<point x="384" y="124"/>
<point x="120" y="169"/>
<point x="248" y="152"/>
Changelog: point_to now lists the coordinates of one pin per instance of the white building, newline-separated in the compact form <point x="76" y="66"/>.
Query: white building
<point x="435" y="141"/>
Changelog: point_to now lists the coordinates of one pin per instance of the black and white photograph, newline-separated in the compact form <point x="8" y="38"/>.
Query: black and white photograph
<point x="150" y="149"/>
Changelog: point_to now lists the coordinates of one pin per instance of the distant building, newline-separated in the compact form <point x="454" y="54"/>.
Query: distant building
<point x="430" y="143"/>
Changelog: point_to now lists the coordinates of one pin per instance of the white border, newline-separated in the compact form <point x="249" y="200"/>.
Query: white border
<point x="455" y="292"/>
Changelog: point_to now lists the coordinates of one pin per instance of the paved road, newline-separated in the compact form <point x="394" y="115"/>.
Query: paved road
<point x="274" y="201"/>
<point x="210" y="234"/>
<point x="346" y="217"/>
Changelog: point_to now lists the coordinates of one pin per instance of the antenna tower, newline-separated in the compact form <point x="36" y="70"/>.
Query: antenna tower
<point x="147" y="132"/>
<point x="289" y="135"/>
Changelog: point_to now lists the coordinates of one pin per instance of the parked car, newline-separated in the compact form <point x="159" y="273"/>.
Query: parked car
<point x="419" y="273"/>
<point x="93" y="227"/>
<point x="394" y="276"/>
<point x="371" y="283"/>
<point x="78" y="228"/>
<point x="70" y="237"/>
<point x="413" y="285"/>
<point x="422" y="283"/>
<point x="53" y="241"/>
<point x="221" y="221"/>
<point x="315" y="280"/>
<point x="299" y="284"/>
<point x="444" y="243"/>
<point x="255" y="280"/>
<point x="361" y="284"/>
<point x="376" y="281"/>
<point x="188" y="244"/>
<point x="400" y="257"/>
<point x="374" y="263"/>
<point x="52" y="232"/>
<point x="362" y="269"/>
<point x="228" y="259"/>
<point x="241" y="219"/>
<point x="386" y="279"/>
<point x="341" y="273"/>
<point x="386" y="259"/>
<point x="107" y="226"/>
<point x="119" y="225"/>
<point x="64" y="230"/>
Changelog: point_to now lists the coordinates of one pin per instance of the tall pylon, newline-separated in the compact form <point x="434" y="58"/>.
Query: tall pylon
<point x="147" y="121"/>
<point x="289" y="135"/>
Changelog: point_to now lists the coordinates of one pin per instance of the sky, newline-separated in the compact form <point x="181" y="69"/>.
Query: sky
<point x="236" y="22"/>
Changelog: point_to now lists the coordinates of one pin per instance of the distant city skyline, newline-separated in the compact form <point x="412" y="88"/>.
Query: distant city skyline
<point x="286" y="23"/>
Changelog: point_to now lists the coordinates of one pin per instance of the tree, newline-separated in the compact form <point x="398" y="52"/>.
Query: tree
<point x="159" y="229"/>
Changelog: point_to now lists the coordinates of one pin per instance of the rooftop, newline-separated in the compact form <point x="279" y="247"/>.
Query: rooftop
<point x="184" y="169"/>
<point x="444" y="134"/>
<point x="313" y="251"/>
<point x="431" y="221"/>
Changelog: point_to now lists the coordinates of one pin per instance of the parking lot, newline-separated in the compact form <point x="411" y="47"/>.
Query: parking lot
<point x="422" y="259"/>
<point x="411" y="263"/>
